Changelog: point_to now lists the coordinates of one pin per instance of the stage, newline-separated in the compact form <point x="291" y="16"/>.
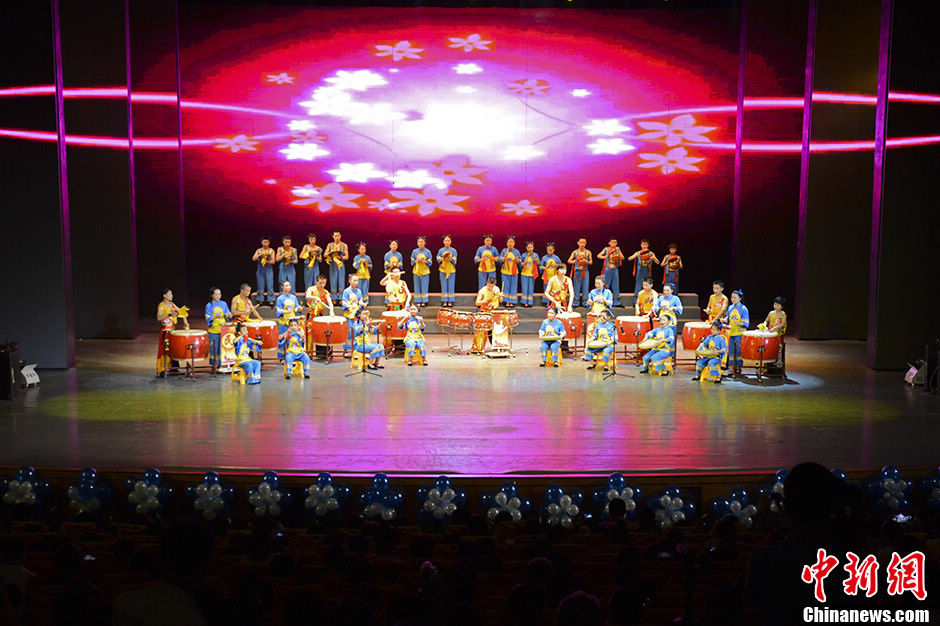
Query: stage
<point x="468" y="415"/>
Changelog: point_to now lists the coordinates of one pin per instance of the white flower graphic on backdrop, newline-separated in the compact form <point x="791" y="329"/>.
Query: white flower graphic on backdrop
<point x="467" y="68"/>
<point x="528" y="86"/>
<point x="428" y="200"/>
<point x="470" y="43"/>
<point x="280" y="79"/>
<point x="456" y="169"/>
<point x="356" y="173"/>
<point x="358" y="80"/>
<point x="605" y="127"/>
<point x="298" y="126"/>
<point x="303" y="151"/>
<point x="580" y="93"/>
<point x="610" y="146"/>
<point x="521" y="153"/>
<point x="237" y="143"/>
<point x="677" y="158"/>
<point x="374" y="114"/>
<point x="383" y="205"/>
<point x="679" y="129"/>
<point x="326" y="197"/>
<point x="523" y="207"/>
<point x="401" y="50"/>
<point x="329" y="101"/>
<point x="616" y="195"/>
<point x="415" y="179"/>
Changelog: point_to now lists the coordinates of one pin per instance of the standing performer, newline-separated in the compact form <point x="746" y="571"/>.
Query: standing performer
<point x="264" y="274"/>
<point x="294" y="346"/>
<point x="485" y="258"/>
<point x="311" y="254"/>
<point x="580" y="261"/>
<point x="600" y="298"/>
<point x="668" y="302"/>
<point x="602" y="340"/>
<point x="530" y="269"/>
<point x="776" y="320"/>
<point x="665" y="337"/>
<point x="509" y="260"/>
<point x="168" y="314"/>
<point x="244" y="346"/>
<point x="217" y="313"/>
<point x="363" y="265"/>
<point x="393" y="259"/>
<point x="447" y="264"/>
<point x="559" y="290"/>
<point x="548" y="266"/>
<point x="337" y="253"/>
<point x="711" y="351"/>
<point x="551" y="332"/>
<point x="717" y="302"/>
<point x="287" y="308"/>
<point x="287" y="257"/>
<point x="737" y="320"/>
<point x="415" y="337"/>
<point x="643" y="260"/>
<point x="613" y="259"/>
<point x="361" y="330"/>
<point x="646" y="299"/>
<point x="397" y="295"/>
<point x="242" y="308"/>
<point x="671" y="265"/>
<point x="352" y="305"/>
<point x="421" y="260"/>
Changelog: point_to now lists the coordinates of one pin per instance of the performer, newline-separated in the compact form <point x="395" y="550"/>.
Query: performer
<point x="397" y="295"/>
<point x="393" y="258"/>
<point x="337" y="252"/>
<point x="559" y="290"/>
<point x="217" y="312"/>
<point x="361" y="329"/>
<point x="421" y="260"/>
<point x="319" y="303"/>
<point x="287" y="307"/>
<point x="244" y="345"/>
<point x="737" y="320"/>
<point x="717" y="302"/>
<point x="264" y="256"/>
<point x="363" y="265"/>
<point x="580" y="261"/>
<point x="509" y="260"/>
<point x="548" y="266"/>
<point x="613" y="259"/>
<point x="530" y="270"/>
<point x="671" y="265"/>
<point x="489" y="296"/>
<point x="600" y="298"/>
<point x="485" y="258"/>
<point x="665" y="338"/>
<point x="294" y="346"/>
<point x="646" y="299"/>
<point x="311" y="254"/>
<point x="447" y="264"/>
<point x="551" y="332"/>
<point x="668" y="302"/>
<point x="776" y="320"/>
<point x="711" y="351"/>
<point x="643" y="260"/>
<point x="415" y="337"/>
<point x="287" y="257"/>
<point x="602" y="340"/>
<point x="352" y="305"/>
<point x="242" y="308"/>
<point x="168" y="314"/>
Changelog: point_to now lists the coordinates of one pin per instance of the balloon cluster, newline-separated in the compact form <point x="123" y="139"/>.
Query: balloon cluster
<point x="669" y="508"/>
<point x="210" y="497"/>
<point x="889" y="491"/>
<point x="88" y="494"/>
<point x="774" y="491"/>
<point x="267" y="498"/>
<point x="737" y="505"/>
<point x="617" y="487"/>
<point x="506" y="500"/>
<point x="147" y="494"/>
<point x="440" y="500"/>
<point x="930" y="486"/>
<point x="25" y="487"/>
<point x="380" y="500"/>
<point x="325" y="497"/>
<point x="560" y="508"/>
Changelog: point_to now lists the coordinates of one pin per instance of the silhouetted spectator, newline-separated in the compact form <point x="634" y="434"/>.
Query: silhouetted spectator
<point x="579" y="609"/>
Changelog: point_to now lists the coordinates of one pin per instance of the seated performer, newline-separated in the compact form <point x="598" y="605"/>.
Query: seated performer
<point x="397" y="295"/>
<point x="447" y="264"/>
<point x="362" y="327"/>
<point x="242" y="307"/>
<point x="710" y="352"/>
<point x="717" y="302"/>
<point x="600" y="298"/>
<point x="646" y="299"/>
<point x="352" y="305"/>
<point x="293" y="344"/>
<point x="216" y="315"/>
<point x="287" y="307"/>
<point x="737" y="320"/>
<point x="421" y="260"/>
<point x="668" y="302"/>
<point x="548" y="266"/>
<point x="363" y="266"/>
<point x="551" y="332"/>
<point x="311" y="254"/>
<point x="776" y="320"/>
<point x="485" y="258"/>
<point x="489" y="296"/>
<point x="287" y="257"/>
<point x="559" y="290"/>
<point x="671" y="265"/>
<point x="168" y="314"/>
<point x="613" y="259"/>
<point x="509" y="260"/>
<point x="602" y="340"/>
<point x="665" y="337"/>
<point x="415" y="337"/>
<point x="244" y="346"/>
<point x="580" y="261"/>
<point x="643" y="260"/>
<point x="530" y="270"/>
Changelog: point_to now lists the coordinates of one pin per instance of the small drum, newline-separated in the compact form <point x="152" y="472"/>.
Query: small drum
<point x="337" y="327"/>
<point x="754" y="340"/>
<point x="574" y="325"/>
<point x="632" y="328"/>
<point x="264" y="331"/>
<point x="483" y="321"/>
<point x="181" y="340"/>
<point x="597" y="344"/>
<point x="462" y="319"/>
<point x="390" y="319"/>
<point x="445" y="318"/>
<point x="507" y="318"/>
<point x="693" y="333"/>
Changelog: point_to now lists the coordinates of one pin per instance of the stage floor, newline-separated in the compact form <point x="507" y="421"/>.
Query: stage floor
<point x="468" y="415"/>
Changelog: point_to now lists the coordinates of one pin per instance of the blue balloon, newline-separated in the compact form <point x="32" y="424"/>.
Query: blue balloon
<point x="25" y="473"/>
<point x="509" y="489"/>
<point x="617" y="481"/>
<point x="152" y="476"/>
<point x="553" y="493"/>
<point x="576" y="496"/>
<point x="890" y="471"/>
<point x="839" y="474"/>
<point x="781" y="475"/>
<point x="271" y="478"/>
<point x="719" y="506"/>
<point x="88" y="475"/>
<point x="739" y="494"/>
<point x="672" y="491"/>
<point x="211" y="478"/>
<point x="324" y="479"/>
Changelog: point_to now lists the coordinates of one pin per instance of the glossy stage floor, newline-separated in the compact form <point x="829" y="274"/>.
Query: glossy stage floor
<point x="468" y="415"/>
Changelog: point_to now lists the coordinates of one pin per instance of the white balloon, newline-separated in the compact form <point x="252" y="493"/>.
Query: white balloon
<point x="678" y="516"/>
<point x="659" y="515"/>
<point x="259" y="510"/>
<point x="893" y="502"/>
<point x="553" y="509"/>
<point x="564" y="501"/>
<point x="572" y="510"/>
<point x="328" y="491"/>
<point x="501" y="498"/>
<point x="332" y="504"/>
<point x="750" y="510"/>
<point x="321" y="510"/>
<point x="255" y="499"/>
<point x="434" y="495"/>
<point x="566" y="521"/>
<point x="778" y="488"/>
<point x="612" y="493"/>
<point x="429" y="506"/>
<point x="313" y="490"/>
<point x="215" y="490"/>
<point x="901" y="485"/>
<point x="665" y="501"/>
<point x="153" y="490"/>
<point x="516" y="515"/>
<point x="449" y="508"/>
<point x="448" y="494"/>
<point x="388" y="514"/>
<point x="492" y="512"/>
<point x="676" y="504"/>
<point x="735" y="507"/>
<point x="627" y="493"/>
<point x="888" y="483"/>
<point x="631" y="505"/>
<point x="201" y="490"/>
<point x="514" y="503"/>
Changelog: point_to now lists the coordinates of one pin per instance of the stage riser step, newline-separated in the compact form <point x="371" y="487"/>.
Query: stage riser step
<point x="467" y="300"/>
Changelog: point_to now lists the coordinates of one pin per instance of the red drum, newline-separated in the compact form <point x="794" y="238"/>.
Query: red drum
<point x="693" y="333"/>
<point x="390" y="319"/>
<point x="574" y="325"/>
<point x="754" y="340"/>
<point x="180" y="340"/>
<point x="264" y="331"/>
<point x="462" y="319"/>
<point x="507" y="318"/>
<point x="335" y="324"/>
<point x="445" y="318"/>
<point x="632" y="328"/>
<point x="483" y="321"/>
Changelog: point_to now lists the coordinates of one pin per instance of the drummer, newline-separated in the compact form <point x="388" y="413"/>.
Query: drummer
<point x="737" y="320"/>
<point x="776" y="321"/>
<point x="319" y="303"/>
<point x="244" y="345"/>
<point x="217" y="313"/>
<point x="421" y="259"/>
<point x="646" y="299"/>
<point x="603" y="340"/>
<point x="415" y="337"/>
<point x="361" y="328"/>
<point x="711" y="351"/>
<point x="551" y="333"/>
<point x="242" y="308"/>
<point x="548" y="266"/>
<point x="287" y="307"/>
<point x="717" y="302"/>
<point x="447" y="264"/>
<point x="293" y="344"/>
<point x="668" y="302"/>
<point x="352" y="305"/>
<point x="600" y="298"/>
<point x="489" y="296"/>
<point x="528" y="274"/>
<point x="509" y="260"/>
<point x="485" y="258"/>
<point x="665" y="338"/>
<point x="559" y="290"/>
<point x="397" y="294"/>
<point x="168" y="314"/>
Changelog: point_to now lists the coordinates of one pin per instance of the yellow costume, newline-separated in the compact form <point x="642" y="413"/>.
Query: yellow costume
<point x="776" y="322"/>
<point x="558" y="290"/>
<point x="646" y="300"/>
<point x="717" y="304"/>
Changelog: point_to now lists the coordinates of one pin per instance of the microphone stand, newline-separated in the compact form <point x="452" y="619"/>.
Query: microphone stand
<point x="362" y="370"/>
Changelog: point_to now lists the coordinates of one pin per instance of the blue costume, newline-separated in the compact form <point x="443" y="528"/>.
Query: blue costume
<point x="364" y="273"/>
<point x="547" y="266"/>
<point x="510" y="274"/>
<point x="667" y="338"/>
<point x="612" y="274"/>
<point x="216" y="314"/>
<point x="264" y="275"/>
<point x="486" y="268"/>
<point x="351" y="306"/>
<point x="285" y="270"/>
<point x="286" y="308"/>
<point x="369" y="350"/>
<point x="600" y="300"/>
<point x="711" y="342"/>
<point x="642" y="268"/>
<point x="580" y="278"/>
<point x="243" y="348"/>
<point x="393" y="260"/>
<point x="293" y="347"/>
<point x="530" y="269"/>
<point x="553" y="345"/>
<point x="606" y="332"/>
<point x="670" y="303"/>
<point x="311" y="267"/>
<point x="448" y="268"/>
<point x="334" y="257"/>
<point x="738" y="321"/>
<point x="422" y="274"/>
<point x="414" y="339"/>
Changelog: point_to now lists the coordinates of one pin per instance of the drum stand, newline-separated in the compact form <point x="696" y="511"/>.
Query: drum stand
<point x="364" y="369"/>
<point x="613" y="370"/>
<point x="759" y="368"/>
<point x="191" y="365"/>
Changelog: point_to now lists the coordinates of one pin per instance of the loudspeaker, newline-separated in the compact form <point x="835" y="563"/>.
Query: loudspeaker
<point x="11" y="378"/>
